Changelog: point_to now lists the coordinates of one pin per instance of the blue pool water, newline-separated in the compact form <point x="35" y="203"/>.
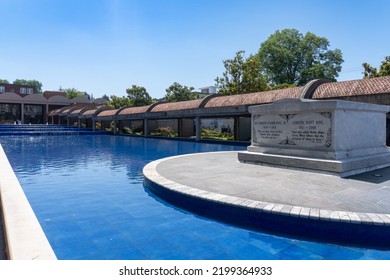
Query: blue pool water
<point x="88" y="194"/>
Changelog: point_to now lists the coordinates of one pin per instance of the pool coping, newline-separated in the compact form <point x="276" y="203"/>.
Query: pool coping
<point x="24" y="236"/>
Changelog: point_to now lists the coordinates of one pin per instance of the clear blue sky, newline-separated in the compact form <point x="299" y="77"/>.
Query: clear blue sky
<point x="105" y="46"/>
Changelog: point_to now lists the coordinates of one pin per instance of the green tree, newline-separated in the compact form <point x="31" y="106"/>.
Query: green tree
<point x="281" y="86"/>
<point x="105" y="96"/>
<point x="139" y="96"/>
<point x="369" y="71"/>
<point x="289" y="57"/>
<point x="34" y="83"/>
<point x="72" y="93"/>
<point x="384" y="69"/>
<point x="177" y="92"/>
<point x="118" y="102"/>
<point x="4" y="81"/>
<point x="242" y="75"/>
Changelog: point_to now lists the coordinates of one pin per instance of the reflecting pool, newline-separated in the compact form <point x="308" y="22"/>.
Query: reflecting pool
<point x="88" y="194"/>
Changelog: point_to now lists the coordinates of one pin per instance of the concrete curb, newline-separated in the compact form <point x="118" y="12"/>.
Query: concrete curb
<point x="25" y="239"/>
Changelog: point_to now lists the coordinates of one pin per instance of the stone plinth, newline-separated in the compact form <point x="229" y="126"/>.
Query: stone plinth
<point x="334" y="136"/>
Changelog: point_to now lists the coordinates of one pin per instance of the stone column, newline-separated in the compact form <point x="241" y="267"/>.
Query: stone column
<point x="146" y="128"/>
<point x="46" y="118"/>
<point x="22" y="112"/>
<point x="236" y="128"/>
<point x="198" y="128"/>
<point x="115" y="126"/>
<point x="179" y="127"/>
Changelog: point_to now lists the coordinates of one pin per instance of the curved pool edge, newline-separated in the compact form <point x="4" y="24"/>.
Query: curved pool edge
<point x="24" y="236"/>
<point x="348" y="228"/>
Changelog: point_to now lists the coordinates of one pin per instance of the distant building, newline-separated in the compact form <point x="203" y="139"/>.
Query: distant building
<point x="209" y="89"/>
<point x="49" y="94"/>
<point x="205" y="91"/>
<point x="20" y="104"/>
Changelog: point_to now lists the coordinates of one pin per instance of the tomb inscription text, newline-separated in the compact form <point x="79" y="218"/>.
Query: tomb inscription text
<point x="312" y="129"/>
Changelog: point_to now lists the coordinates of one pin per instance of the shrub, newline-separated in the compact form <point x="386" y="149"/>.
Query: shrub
<point x="215" y="134"/>
<point x="164" y="131"/>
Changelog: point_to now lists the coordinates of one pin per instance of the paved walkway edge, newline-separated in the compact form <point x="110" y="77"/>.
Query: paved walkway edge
<point x="367" y="223"/>
<point x="25" y="239"/>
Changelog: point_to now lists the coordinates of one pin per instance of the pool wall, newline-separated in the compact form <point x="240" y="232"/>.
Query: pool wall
<point x="24" y="237"/>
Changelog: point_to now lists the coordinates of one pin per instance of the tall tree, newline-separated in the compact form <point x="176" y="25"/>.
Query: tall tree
<point x="105" y="96"/>
<point x="34" y="83"/>
<point x="242" y="75"/>
<point x="139" y="96"/>
<point x="118" y="102"/>
<point x="4" y="81"/>
<point x="177" y="92"/>
<point x="72" y="92"/>
<point x="289" y="57"/>
<point x="384" y="69"/>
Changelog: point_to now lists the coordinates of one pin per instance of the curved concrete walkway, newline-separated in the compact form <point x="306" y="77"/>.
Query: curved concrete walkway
<point x="219" y="178"/>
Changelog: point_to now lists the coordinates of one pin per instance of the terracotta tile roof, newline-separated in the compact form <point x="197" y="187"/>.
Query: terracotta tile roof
<point x="49" y="94"/>
<point x="254" y="98"/>
<point x="108" y="113"/>
<point x="355" y="87"/>
<point x="76" y="112"/>
<point x="68" y="109"/>
<point x="90" y="112"/>
<point x="54" y="112"/>
<point x="134" y="110"/>
<point x="175" y="106"/>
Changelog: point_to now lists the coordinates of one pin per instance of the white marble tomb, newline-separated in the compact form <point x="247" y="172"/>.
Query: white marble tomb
<point x="333" y="136"/>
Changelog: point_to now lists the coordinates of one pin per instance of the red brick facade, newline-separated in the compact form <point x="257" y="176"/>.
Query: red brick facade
<point x="18" y="89"/>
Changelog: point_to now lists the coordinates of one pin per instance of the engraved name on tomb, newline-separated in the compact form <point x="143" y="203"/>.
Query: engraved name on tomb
<point x="311" y="129"/>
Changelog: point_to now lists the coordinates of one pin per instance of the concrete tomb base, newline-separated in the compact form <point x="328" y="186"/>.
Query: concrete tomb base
<point x="332" y="136"/>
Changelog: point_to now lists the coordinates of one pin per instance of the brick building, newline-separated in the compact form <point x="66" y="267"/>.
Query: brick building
<point x="19" y="89"/>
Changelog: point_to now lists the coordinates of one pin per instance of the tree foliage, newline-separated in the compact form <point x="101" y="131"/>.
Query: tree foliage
<point x="34" y="83"/>
<point x="177" y="92"/>
<point x="72" y="93"/>
<point x="106" y="97"/>
<point x="242" y="75"/>
<point x="138" y="96"/>
<point x="371" y="72"/>
<point x="118" y="102"/>
<point x="289" y="57"/>
<point x="3" y="81"/>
